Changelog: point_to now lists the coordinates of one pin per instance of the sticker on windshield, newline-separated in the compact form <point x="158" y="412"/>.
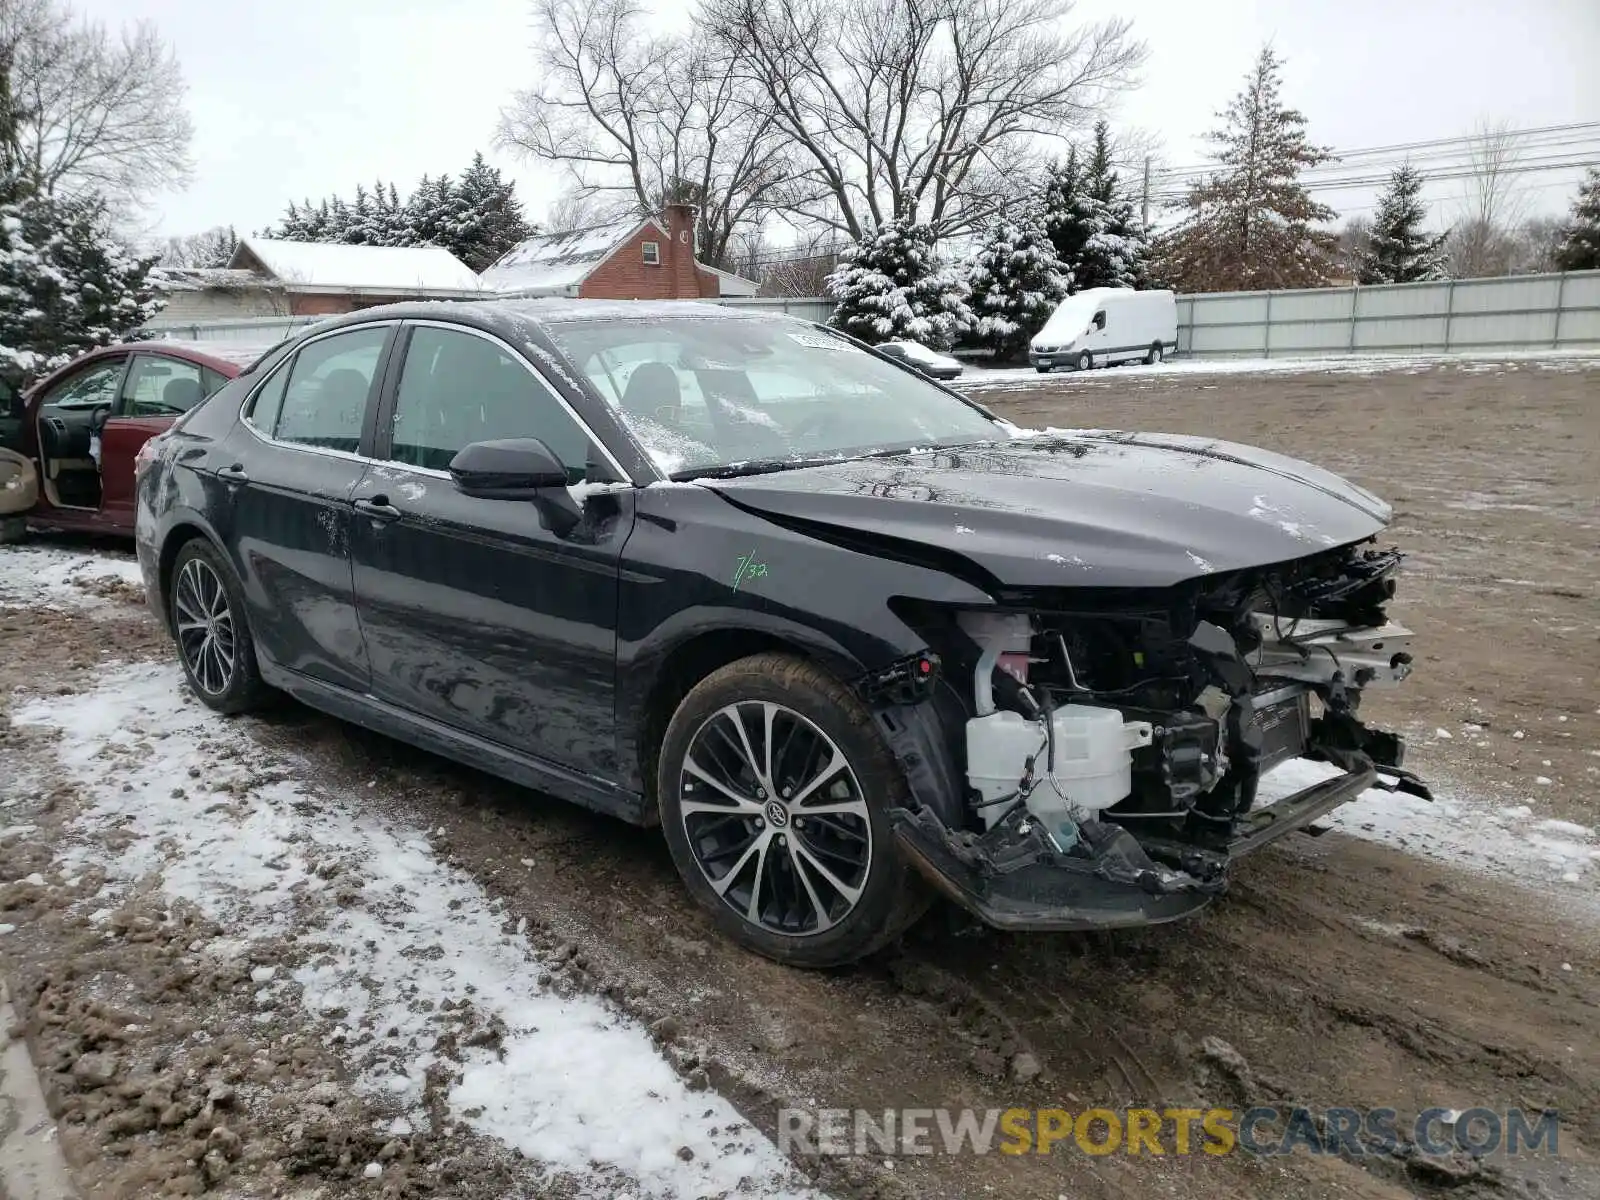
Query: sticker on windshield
<point x="818" y="341"/>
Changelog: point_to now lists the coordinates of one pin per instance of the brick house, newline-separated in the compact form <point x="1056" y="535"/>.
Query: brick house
<point x="652" y="260"/>
<point x="323" y="279"/>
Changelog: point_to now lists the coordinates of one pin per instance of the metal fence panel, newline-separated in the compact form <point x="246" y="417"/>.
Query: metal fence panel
<point x="1527" y="312"/>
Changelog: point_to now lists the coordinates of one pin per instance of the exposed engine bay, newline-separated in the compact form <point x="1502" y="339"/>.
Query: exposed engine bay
<point x="1111" y="743"/>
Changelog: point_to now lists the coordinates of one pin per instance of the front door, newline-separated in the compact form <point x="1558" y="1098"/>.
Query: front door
<point x="155" y="391"/>
<point x="288" y="471"/>
<point x="66" y="420"/>
<point x="475" y="614"/>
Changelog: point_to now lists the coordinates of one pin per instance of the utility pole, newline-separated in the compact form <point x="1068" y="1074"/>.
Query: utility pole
<point x="1144" y="207"/>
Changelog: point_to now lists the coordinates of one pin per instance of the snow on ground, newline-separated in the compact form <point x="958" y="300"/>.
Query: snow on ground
<point x="577" y="1087"/>
<point x="61" y="578"/>
<point x="1508" y="841"/>
<point x="1028" y="379"/>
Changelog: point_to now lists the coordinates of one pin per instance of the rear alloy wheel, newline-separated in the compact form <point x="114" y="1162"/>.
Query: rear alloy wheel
<point x="773" y="786"/>
<point x="208" y="623"/>
<point x="1156" y="354"/>
<point x="1084" y="361"/>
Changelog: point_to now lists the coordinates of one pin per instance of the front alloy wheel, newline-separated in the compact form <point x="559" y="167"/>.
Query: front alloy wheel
<point x="774" y="787"/>
<point x="775" y="818"/>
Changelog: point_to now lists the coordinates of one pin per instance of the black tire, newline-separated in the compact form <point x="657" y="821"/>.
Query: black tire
<point x="205" y="608"/>
<point x="1084" y="361"/>
<point x="826" y="926"/>
<point x="1155" y="354"/>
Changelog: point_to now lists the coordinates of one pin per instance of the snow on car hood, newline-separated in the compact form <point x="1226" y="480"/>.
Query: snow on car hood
<point x="1086" y="509"/>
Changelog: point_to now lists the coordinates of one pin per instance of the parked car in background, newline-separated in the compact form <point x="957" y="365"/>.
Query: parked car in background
<point x="83" y="425"/>
<point x="930" y="362"/>
<point x="1100" y="327"/>
<point x="847" y="638"/>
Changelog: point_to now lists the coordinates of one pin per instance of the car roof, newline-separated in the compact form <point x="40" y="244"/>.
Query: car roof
<point x="546" y="311"/>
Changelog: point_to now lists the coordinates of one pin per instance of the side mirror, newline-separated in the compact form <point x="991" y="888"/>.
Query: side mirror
<point x="98" y="419"/>
<point x="518" y="469"/>
<point x="513" y="469"/>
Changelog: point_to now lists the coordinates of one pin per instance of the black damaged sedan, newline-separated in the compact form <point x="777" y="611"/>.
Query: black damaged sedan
<point x="849" y="638"/>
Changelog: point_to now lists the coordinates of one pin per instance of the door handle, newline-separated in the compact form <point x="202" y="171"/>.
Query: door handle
<point x="234" y="474"/>
<point x="378" y="510"/>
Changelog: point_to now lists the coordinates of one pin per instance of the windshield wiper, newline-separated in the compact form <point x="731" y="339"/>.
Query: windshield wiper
<point x="753" y="466"/>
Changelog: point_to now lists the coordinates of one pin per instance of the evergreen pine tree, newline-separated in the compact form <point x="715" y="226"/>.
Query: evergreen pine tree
<point x="66" y="284"/>
<point x="491" y="220"/>
<point x="1067" y="215"/>
<point x="891" y="285"/>
<point x="1580" y="248"/>
<point x="1398" y="250"/>
<point x="1250" y="225"/>
<point x="1114" y="252"/>
<point x="1016" y="283"/>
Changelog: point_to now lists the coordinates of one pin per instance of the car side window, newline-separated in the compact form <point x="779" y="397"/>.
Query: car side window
<point x="268" y="403"/>
<point x="457" y="388"/>
<point x="1100" y="319"/>
<point x="90" y="388"/>
<point x="160" y="387"/>
<point x="325" y="395"/>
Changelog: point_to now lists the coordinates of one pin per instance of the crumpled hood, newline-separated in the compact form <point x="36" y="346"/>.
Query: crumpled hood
<point x="1087" y="508"/>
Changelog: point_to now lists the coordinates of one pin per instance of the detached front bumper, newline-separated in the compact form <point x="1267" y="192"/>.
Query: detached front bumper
<point x="1147" y="881"/>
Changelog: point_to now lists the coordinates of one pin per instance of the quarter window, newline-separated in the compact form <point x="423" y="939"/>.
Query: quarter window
<point x="325" y="400"/>
<point x="457" y="388"/>
<point x="161" y="387"/>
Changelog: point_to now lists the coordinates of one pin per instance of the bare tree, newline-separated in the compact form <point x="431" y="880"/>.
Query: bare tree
<point x="94" y="111"/>
<point x="584" y="208"/>
<point x="1484" y="241"/>
<point x="917" y="109"/>
<point x="213" y="248"/>
<point x="657" y="120"/>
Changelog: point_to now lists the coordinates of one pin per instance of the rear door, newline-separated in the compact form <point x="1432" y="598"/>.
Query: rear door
<point x="474" y="614"/>
<point x="155" y="391"/>
<point x="287" y="472"/>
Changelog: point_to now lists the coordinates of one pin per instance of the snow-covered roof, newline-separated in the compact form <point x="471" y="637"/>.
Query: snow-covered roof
<point x="388" y="270"/>
<point x="203" y="279"/>
<point x="554" y="264"/>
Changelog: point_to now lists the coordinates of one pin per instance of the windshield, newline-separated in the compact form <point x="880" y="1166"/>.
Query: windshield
<point x="705" y="395"/>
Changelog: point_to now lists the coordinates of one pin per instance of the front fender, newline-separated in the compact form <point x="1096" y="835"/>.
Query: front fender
<point x="696" y="566"/>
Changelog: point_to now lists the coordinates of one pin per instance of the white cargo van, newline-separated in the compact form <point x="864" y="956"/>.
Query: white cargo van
<point x="1101" y="326"/>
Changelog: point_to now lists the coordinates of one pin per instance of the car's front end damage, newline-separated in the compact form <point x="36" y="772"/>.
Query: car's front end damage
<point x="1113" y="743"/>
<point x="1168" y="618"/>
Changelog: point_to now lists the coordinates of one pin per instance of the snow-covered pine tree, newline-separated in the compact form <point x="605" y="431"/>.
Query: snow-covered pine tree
<point x="1091" y="219"/>
<point x="1251" y="223"/>
<point x="1067" y="214"/>
<point x="365" y="226"/>
<point x="1580" y="248"/>
<point x="491" y="220"/>
<point x="434" y="211"/>
<point x="66" y="284"/>
<point x="1016" y="281"/>
<point x="1114" y="253"/>
<point x="891" y="285"/>
<point x="1398" y="249"/>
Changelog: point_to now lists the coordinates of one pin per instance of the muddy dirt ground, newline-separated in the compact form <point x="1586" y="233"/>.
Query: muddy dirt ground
<point x="1342" y="972"/>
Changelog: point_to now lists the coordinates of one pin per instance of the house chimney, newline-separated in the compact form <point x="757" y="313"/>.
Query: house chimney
<point x="680" y="254"/>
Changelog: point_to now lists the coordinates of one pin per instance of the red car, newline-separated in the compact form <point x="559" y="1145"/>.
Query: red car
<point x="82" y="425"/>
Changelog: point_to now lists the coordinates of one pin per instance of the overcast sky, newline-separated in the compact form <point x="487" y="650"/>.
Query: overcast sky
<point x="306" y="97"/>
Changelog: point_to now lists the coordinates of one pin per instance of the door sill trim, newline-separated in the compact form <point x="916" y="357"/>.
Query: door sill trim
<point x="469" y="749"/>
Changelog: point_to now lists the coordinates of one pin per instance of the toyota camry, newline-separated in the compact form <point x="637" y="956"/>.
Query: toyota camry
<point x="849" y="639"/>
